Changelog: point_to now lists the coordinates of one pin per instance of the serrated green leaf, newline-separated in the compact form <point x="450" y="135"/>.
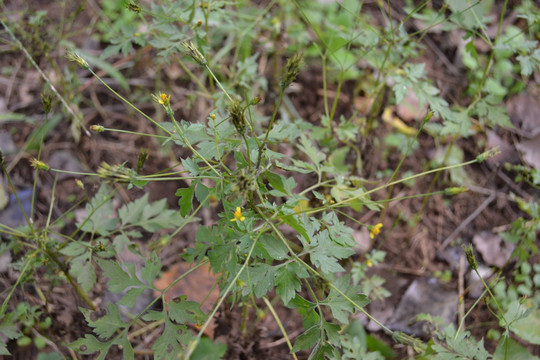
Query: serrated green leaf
<point x="89" y="345"/>
<point x="131" y="297"/>
<point x="186" y="312"/>
<point x="118" y="278"/>
<point x="151" y="268"/>
<point x="101" y="217"/>
<point x="185" y="199"/>
<point x="4" y="350"/>
<point x="208" y="350"/>
<point x="262" y="278"/>
<point x="82" y="268"/>
<point x="127" y="349"/>
<point x="527" y="327"/>
<point x="154" y="316"/>
<point x="275" y="248"/>
<point x="106" y="325"/>
<point x="340" y="306"/>
<point x="191" y="166"/>
<point x="308" y="148"/>
<point x="517" y="352"/>
<point x="167" y="346"/>
<point x="201" y="193"/>
<point x="276" y="181"/>
<point x="287" y="284"/>
<point x="73" y="249"/>
<point x="307" y="340"/>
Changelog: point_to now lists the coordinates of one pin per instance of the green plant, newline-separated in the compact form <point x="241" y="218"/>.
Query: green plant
<point x="272" y="240"/>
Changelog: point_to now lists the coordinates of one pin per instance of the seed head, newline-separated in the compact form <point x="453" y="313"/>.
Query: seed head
<point x="488" y="154"/>
<point x="134" y="7"/>
<point x="237" y="116"/>
<point x="73" y="56"/>
<point x="290" y="71"/>
<point x="194" y="52"/>
<point x="46" y="102"/>
<point x="143" y="156"/>
<point x="471" y="259"/>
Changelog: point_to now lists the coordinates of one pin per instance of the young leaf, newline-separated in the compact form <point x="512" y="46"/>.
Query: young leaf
<point x="185" y="199"/>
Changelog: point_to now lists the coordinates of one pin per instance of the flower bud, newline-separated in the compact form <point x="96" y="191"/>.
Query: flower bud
<point x="97" y="128"/>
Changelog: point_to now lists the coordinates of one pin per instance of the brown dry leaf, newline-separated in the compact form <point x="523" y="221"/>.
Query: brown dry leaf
<point x="507" y="152"/>
<point x="524" y="110"/>
<point x="530" y="149"/>
<point x="493" y="249"/>
<point x="199" y="286"/>
<point x="409" y="109"/>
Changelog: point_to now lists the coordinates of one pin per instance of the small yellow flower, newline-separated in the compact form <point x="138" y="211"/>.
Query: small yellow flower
<point x="238" y="215"/>
<point x="369" y="263"/>
<point x="374" y="230"/>
<point x="163" y="99"/>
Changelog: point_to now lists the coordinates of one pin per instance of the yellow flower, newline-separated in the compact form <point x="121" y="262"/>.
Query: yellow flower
<point x="163" y="99"/>
<point x="238" y="215"/>
<point x="369" y="263"/>
<point x="374" y="230"/>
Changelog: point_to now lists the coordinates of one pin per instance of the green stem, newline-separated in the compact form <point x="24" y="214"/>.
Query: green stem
<point x="276" y="107"/>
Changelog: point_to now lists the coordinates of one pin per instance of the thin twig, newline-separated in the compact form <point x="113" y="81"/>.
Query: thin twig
<point x="467" y="221"/>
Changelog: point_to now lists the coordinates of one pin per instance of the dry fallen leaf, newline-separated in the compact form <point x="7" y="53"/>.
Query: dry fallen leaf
<point x="493" y="249"/>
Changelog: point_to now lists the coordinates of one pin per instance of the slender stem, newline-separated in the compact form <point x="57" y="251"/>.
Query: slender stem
<point x="280" y="324"/>
<point x="276" y="107"/>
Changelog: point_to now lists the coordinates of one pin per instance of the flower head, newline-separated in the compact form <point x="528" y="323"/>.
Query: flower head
<point x="97" y="128"/>
<point x="238" y="215"/>
<point x="375" y="230"/>
<point x="73" y="56"/>
<point x="39" y="165"/>
<point x="163" y="99"/>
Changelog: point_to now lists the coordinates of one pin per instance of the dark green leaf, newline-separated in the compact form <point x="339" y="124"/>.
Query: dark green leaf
<point x="118" y="278"/>
<point x="287" y="284"/>
<point x="106" y="325"/>
<point x="307" y="340"/>
<point x="183" y="311"/>
<point x="151" y="268"/>
<point x="185" y="199"/>
<point x="89" y="345"/>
